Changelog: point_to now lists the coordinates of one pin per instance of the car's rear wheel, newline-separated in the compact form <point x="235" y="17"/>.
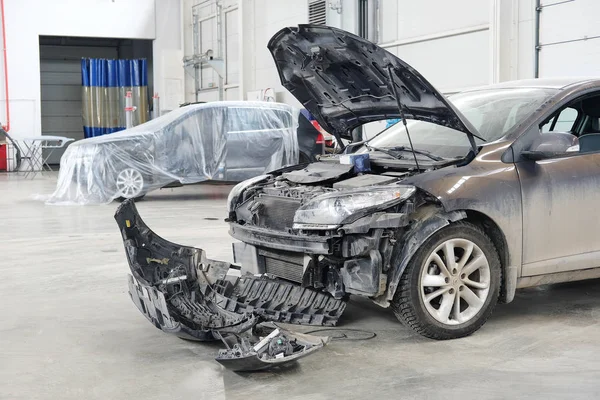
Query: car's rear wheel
<point x="451" y="286"/>
<point x="130" y="184"/>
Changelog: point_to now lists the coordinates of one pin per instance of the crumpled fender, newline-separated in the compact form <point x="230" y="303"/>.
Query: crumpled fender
<point x="427" y="220"/>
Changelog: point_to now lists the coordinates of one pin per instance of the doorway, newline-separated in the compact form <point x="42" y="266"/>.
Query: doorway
<point x="60" y="79"/>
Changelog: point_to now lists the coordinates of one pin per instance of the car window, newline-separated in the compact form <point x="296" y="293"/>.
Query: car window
<point x="492" y="112"/>
<point x="571" y="130"/>
<point x="563" y="122"/>
<point x="474" y="116"/>
<point x="513" y="115"/>
<point x="593" y="124"/>
<point x="255" y="118"/>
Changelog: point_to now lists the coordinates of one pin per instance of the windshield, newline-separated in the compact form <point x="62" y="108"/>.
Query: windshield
<point x="493" y="112"/>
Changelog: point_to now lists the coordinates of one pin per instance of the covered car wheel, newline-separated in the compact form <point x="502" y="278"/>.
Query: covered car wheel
<point x="451" y="286"/>
<point x="130" y="184"/>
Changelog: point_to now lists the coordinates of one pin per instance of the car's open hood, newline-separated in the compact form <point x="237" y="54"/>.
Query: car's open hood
<point x="342" y="80"/>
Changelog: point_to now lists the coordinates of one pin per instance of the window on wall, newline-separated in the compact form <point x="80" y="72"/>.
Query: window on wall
<point x="317" y="12"/>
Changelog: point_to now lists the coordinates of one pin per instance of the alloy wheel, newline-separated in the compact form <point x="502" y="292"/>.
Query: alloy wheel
<point x="130" y="183"/>
<point x="455" y="281"/>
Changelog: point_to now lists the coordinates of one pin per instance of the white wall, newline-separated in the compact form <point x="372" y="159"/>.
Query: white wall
<point x="26" y="20"/>
<point x="447" y="41"/>
<point x="270" y="17"/>
<point x="463" y="43"/>
<point x="524" y="48"/>
<point x="513" y="39"/>
<point x="247" y="27"/>
<point x="261" y="19"/>
<point x="569" y="38"/>
<point x="168" y="54"/>
<point x="455" y="44"/>
<point x="250" y="25"/>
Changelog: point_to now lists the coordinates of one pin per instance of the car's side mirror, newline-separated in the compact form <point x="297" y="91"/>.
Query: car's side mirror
<point x="540" y="155"/>
<point x="550" y="145"/>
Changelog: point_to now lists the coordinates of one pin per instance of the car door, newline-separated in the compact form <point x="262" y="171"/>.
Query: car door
<point x="561" y="216"/>
<point x="171" y="156"/>
<point x="255" y="140"/>
<point x="197" y="144"/>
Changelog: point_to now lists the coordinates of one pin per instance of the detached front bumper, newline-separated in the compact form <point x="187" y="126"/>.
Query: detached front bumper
<point x="152" y="304"/>
<point x="182" y="292"/>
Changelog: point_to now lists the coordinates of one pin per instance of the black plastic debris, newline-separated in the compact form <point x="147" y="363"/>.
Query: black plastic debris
<point x="182" y="292"/>
<point x="279" y="347"/>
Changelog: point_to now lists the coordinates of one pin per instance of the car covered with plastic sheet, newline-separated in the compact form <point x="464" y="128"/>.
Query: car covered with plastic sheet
<point x="224" y="141"/>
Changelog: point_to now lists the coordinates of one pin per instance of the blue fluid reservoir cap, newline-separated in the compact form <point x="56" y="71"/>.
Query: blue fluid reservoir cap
<point x="361" y="163"/>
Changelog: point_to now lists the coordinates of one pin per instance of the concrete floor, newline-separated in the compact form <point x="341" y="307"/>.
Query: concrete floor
<point x="68" y="329"/>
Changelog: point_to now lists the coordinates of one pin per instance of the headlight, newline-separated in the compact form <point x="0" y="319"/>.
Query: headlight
<point x="339" y="208"/>
<point x="232" y="199"/>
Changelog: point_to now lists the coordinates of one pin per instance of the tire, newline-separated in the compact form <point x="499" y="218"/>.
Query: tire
<point x="415" y="302"/>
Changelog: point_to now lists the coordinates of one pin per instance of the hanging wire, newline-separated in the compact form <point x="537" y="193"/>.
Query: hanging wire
<point x="343" y="333"/>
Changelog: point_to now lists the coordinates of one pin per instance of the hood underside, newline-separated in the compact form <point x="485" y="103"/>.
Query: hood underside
<point x="343" y="80"/>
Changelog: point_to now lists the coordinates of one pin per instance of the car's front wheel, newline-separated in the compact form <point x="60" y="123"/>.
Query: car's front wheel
<point x="451" y="286"/>
<point x="130" y="184"/>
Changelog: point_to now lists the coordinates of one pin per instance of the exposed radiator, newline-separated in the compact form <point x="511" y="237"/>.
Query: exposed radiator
<point x="277" y="212"/>
<point x="283" y="265"/>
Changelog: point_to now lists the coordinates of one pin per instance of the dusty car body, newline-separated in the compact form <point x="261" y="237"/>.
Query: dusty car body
<point x="445" y="231"/>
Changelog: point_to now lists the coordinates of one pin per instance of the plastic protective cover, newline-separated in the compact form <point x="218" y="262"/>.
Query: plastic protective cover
<point x="228" y="141"/>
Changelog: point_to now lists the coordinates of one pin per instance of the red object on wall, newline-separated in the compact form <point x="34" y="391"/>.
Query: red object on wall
<point x="6" y="127"/>
<point x="3" y="157"/>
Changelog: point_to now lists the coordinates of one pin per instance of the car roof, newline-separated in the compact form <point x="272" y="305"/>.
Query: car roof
<point x="160" y="124"/>
<point x="547" y="83"/>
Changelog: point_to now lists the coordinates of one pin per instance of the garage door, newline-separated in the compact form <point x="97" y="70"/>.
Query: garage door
<point x="60" y="73"/>
<point x="569" y="38"/>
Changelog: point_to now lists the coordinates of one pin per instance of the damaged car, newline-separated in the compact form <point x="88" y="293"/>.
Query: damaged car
<point x="439" y="217"/>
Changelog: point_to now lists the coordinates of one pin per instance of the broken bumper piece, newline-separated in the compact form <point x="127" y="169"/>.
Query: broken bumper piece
<point x="182" y="292"/>
<point x="278" y="347"/>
